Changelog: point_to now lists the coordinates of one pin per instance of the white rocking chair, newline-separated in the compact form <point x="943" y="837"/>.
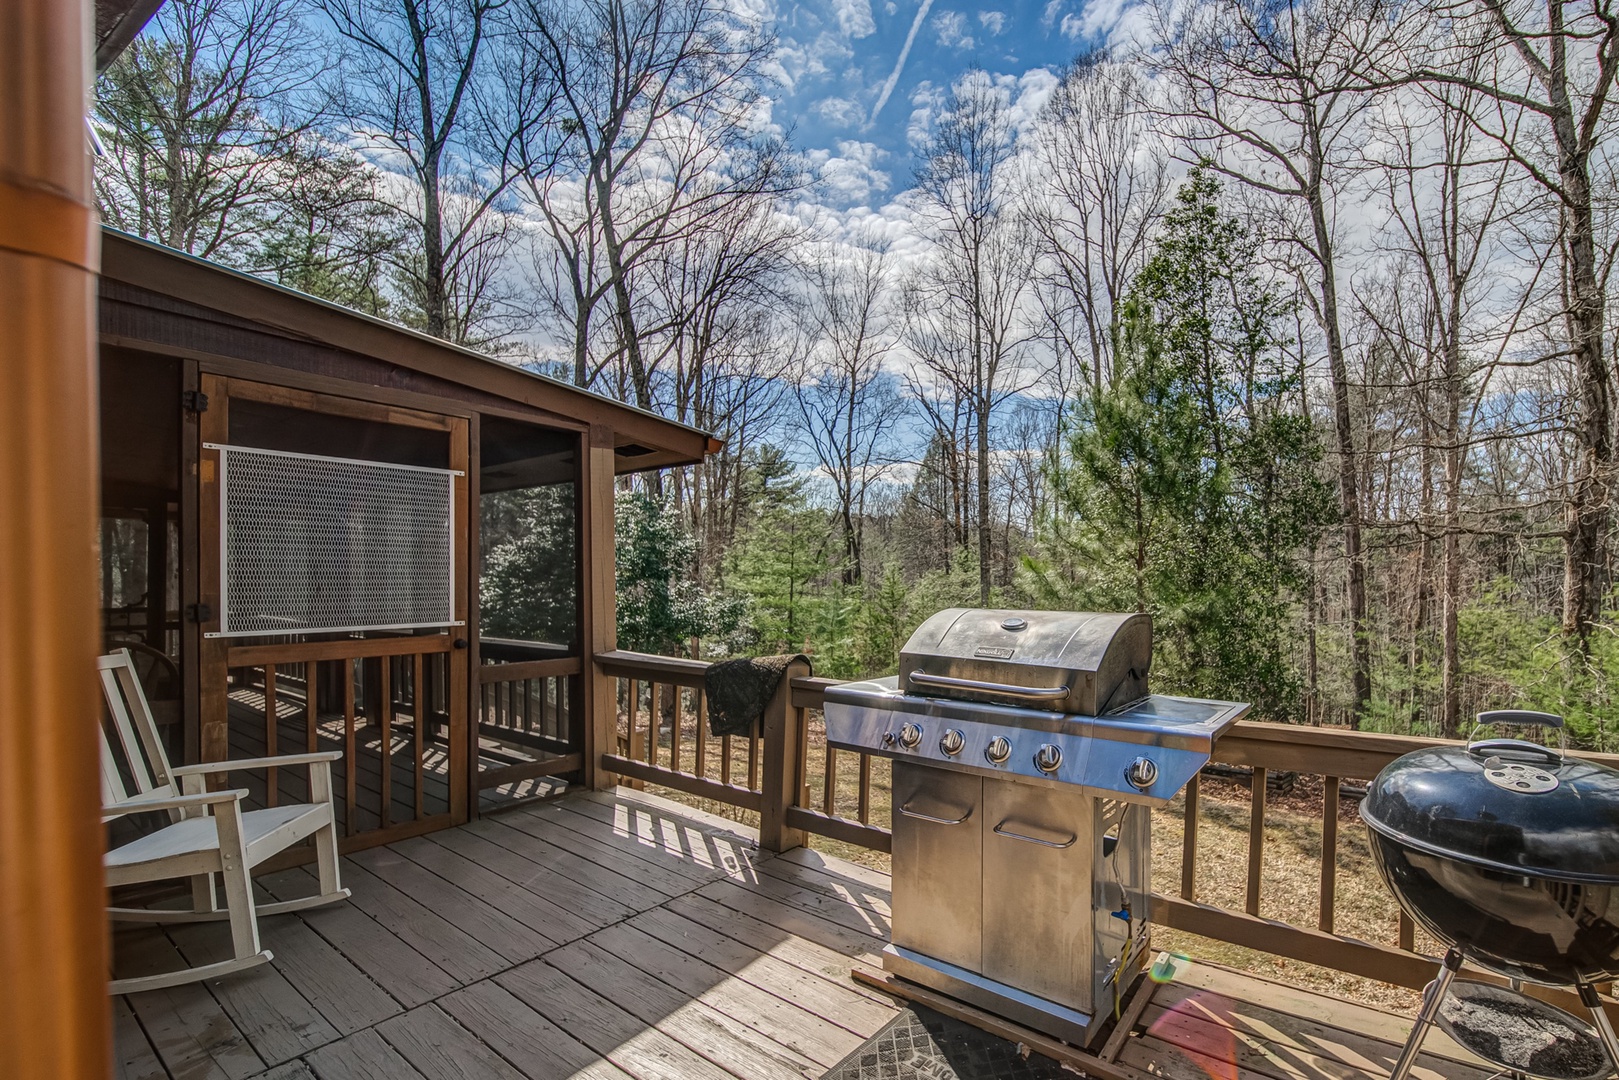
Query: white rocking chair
<point x="209" y="833"/>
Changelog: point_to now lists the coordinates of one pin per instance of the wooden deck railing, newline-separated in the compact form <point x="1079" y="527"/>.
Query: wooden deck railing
<point x="349" y="694"/>
<point x="844" y="795"/>
<point x="527" y="698"/>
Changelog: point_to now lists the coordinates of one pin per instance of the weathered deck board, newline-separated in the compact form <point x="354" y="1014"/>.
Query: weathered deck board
<point x="624" y="937"/>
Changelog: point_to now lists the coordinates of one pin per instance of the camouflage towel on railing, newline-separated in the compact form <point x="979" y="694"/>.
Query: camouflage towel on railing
<point x="738" y="691"/>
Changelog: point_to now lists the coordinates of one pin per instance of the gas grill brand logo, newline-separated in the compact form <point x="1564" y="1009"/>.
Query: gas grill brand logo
<point x="987" y="652"/>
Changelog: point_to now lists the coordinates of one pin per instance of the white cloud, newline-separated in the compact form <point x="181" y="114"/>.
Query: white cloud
<point x="827" y="51"/>
<point x="854" y="17"/>
<point x="993" y="21"/>
<point x="1048" y="17"/>
<point x="838" y="110"/>
<point x="1097" y="19"/>
<point x="851" y="176"/>
<point x="951" y="28"/>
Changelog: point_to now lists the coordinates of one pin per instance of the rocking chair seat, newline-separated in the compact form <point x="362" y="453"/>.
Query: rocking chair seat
<point x="265" y="832"/>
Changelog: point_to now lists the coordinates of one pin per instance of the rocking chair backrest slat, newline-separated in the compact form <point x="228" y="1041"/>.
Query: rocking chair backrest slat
<point x="144" y="757"/>
<point x="112" y="785"/>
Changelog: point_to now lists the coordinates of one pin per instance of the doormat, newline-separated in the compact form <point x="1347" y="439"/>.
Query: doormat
<point x="920" y="1044"/>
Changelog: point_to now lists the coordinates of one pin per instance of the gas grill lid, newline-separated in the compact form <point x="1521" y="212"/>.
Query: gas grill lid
<point x="1060" y="661"/>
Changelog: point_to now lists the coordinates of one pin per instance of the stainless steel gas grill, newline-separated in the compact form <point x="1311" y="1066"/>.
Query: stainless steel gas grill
<point x="1027" y="758"/>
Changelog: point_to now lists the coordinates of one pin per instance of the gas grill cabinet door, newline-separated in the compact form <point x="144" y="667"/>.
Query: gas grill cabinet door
<point x="938" y="850"/>
<point x="1039" y="847"/>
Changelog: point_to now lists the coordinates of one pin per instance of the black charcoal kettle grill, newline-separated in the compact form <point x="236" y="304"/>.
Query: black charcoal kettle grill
<point x="1507" y="851"/>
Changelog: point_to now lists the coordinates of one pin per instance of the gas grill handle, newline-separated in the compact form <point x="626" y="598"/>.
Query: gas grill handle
<point x="1002" y="830"/>
<point x="908" y="812"/>
<point x="1027" y="693"/>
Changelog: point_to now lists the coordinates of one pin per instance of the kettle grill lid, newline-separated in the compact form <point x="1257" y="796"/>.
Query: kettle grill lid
<point x="1550" y="817"/>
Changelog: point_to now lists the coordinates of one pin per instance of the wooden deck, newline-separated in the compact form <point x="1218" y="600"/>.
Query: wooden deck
<point x="628" y="936"/>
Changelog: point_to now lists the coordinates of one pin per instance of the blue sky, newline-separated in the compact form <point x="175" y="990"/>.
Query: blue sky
<point x="856" y="71"/>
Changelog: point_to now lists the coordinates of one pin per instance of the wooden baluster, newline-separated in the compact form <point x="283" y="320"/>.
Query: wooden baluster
<point x="311" y="706"/>
<point x="830" y="791"/>
<point x="1189" y="839"/>
<point x="385" y="747"/>
<point x="864" y="812"/>
<point x="1256" y="840"/>
<point x="272" y="738"/>
<point x="419" y="700"/>
<point x="654" y="721"/>
<point x="548" y="707"/>
<point x="753" y="760"/>
<point x="675" y="724"/>
<point x="635" y="750"/>
<point x="801" y="769"/>
<point x="528" y="706"/>
<point x="725" y="759"/>
<point x="701" y="735"/>
<point x="349" y="769"/>
<point x="1329" y="852"/>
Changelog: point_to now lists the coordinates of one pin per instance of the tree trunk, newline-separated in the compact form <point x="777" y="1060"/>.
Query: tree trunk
<point x="433" y="300"/>
<point x="1585" y="561"/>
<point x="1348" y="486"/>
<point x="984" y="526"/>
<point x="1451" y="577"/>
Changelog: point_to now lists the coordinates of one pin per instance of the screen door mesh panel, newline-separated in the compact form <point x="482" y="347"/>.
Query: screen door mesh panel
<point x="317" y="543"/>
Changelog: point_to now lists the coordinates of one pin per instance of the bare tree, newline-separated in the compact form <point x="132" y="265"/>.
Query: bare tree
<point x="654" y="131"/>
<point x="197" y="117"/>
<point x="712" y="314"/>
<point x="1103" y="181"/>
<point x="1447" y="197"/>
<point x="847" y="401"/>
<point x="1275" y="97"/>
<point x="417" y="82"/>
<point x="1554" y="64"/>
<point x="980" y="269"/>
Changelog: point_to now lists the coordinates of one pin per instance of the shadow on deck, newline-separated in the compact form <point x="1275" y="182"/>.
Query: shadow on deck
<point x="620" y="936"/>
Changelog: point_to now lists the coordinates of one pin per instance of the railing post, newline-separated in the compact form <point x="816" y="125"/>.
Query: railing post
<point x="781" y="777"/>
<point x="599" y="592"/>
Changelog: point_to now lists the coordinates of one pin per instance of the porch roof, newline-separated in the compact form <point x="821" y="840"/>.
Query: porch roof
<point x="642" y="440"/>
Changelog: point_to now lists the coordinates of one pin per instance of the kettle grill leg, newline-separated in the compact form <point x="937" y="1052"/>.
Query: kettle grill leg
<point x="1599" y="1019"/>
<point x="1431" y="999"/>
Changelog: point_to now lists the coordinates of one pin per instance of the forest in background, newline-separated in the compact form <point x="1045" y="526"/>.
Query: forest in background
<point x="1286" y="322"/>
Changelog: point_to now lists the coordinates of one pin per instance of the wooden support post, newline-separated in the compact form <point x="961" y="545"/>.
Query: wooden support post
<point x="54" y="1019"/>
<point x="598" y="602"/>
<point x="782" y="768"/>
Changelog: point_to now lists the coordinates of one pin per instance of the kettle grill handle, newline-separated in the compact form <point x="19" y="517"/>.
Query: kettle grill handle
<point x="1520" y="717"/>
<point x="1028" y="693"/>
<point x="908" y="812"/>
<point x="1514" y="746"/>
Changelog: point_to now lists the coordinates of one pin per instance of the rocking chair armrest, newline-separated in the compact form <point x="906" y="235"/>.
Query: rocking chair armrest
<point x="172" y="802"/>
<point x="208" y="767"/>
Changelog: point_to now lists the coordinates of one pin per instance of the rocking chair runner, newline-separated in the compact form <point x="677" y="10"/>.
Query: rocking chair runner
<point x="209" y="833"/>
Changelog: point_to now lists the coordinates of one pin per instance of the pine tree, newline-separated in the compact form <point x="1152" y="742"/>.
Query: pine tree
<point x="1192" y="483"/>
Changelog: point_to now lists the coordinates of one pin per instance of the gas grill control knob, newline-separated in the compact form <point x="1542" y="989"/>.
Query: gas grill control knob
<point x="1141" y="773"/>
<point x="909" y="735"/>
<point x="998" y="750"/>
<point x="1047" y="758"/>
<point x="951" y="742"/>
